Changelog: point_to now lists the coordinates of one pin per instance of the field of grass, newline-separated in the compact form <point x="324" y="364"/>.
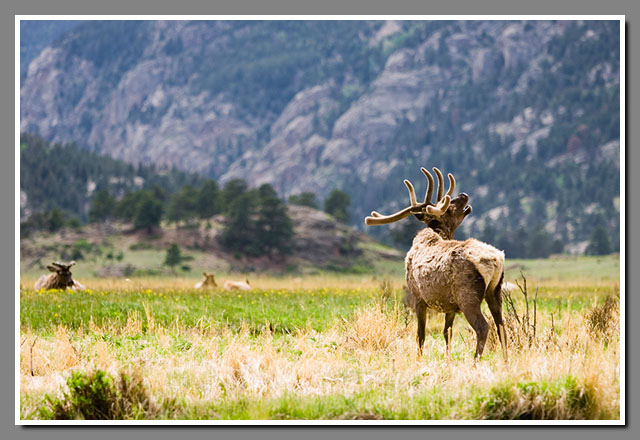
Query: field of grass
<point x="322" y="347"/>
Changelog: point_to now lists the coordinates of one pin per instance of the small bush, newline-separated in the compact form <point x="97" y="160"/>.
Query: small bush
<point x="140" y="246"/>
<point x="96" y="396"/>
<point x="563" y="400"/>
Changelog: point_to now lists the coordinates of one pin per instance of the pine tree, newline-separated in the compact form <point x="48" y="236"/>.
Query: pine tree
<point x="304" y="199"/>
<point x="337" y="204"/>
<point x="599" y="243"/>
<point x="148" y="212"/>
<point x="56" y="219"/>
<point x="183" y="205"/>
<point x="103" y="206"/>
<point x="238" y="236"/>
<point x="208" y="199"/>
<point x="173" y="257"/>
<point x="127" y="206"/>
<point x="273" y="226"/>
<point x="234" y="189"/>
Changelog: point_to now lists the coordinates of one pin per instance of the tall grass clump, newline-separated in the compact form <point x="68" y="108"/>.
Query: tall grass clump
<point x="521" y="327"/>
<point x="378" y="325"/>
<point x="603" y="320"/>
<point x="97" y="396"/>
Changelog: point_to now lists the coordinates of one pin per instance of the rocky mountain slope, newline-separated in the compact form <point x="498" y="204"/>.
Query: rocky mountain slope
<point x="525" y="114"/>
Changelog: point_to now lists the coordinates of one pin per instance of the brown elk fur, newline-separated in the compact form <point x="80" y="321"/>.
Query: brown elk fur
<point x="237" y="285"/>
<point x="59" y="279"/>
<point x="453" y="276"/>
<point x="208" y="282"/>
<point x="448" y="275"/>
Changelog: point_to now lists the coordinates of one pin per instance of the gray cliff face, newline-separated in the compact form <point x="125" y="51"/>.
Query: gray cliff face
<point x="453" y="89"/>
<point x="145" y="117"/>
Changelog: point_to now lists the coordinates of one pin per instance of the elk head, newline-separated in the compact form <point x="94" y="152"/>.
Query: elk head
<point x="444" y="216"/>
<point x="209" y="279"/>
<point x="63" y="272"/>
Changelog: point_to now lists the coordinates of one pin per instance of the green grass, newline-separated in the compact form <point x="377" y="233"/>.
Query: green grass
<point x="566" y="398"/>
<point x="224" y="343"/>
<point x="284" y="310"/>
<point x="566" y="268"/>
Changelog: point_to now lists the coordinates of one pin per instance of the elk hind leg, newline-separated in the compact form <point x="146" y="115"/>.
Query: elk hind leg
<point x="448" y="323"/>
<point x="421" y="313"/>
<point x="494" y="301"/>
<point x="474" y="315"/>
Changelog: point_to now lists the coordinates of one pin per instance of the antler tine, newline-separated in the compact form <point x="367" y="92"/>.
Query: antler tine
<point x="440" y="184"/>
<point x="452" y="185"/>
<point x="442" y="203"/>
<point x="412" y="193"/>
<point x="427" y="174"/>
<point x="440" y="208"/>
<point x="378" y="219"/>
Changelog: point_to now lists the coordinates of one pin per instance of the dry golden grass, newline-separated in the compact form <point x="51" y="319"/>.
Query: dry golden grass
<point x="263" y="282"/>
<point x="374" y="350"/>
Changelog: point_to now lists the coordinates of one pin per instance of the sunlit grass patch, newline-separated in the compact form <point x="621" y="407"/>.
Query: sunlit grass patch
<point x="321" y="353"/>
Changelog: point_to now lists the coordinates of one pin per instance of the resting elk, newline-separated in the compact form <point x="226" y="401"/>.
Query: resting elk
<point x="448" y="275"/>
<point x="237" y="285"/>
<point x="59" y="279"/>
<point x="209" y="281"/>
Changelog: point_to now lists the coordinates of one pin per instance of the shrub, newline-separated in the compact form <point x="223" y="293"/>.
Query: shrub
<point x="97" y="396"/>
<point x="567" y="399"/>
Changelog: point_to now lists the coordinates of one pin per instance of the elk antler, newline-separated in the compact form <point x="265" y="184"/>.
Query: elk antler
<point x="63" y="265"/>
<point x="452" y="183"/>
<point x="419" y="208"/>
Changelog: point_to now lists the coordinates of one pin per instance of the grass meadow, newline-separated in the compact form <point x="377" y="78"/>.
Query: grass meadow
<point x="319" y="347"/>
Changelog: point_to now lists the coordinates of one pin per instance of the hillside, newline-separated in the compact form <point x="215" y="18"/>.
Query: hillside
<point x="525" y="114"/>
<point x="116" y="250"/>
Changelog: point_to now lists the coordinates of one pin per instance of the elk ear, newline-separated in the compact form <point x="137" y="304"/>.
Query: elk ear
<point x="71" y="264"/>
<point x="52" y="268"/>
<point x="204" y="274"/>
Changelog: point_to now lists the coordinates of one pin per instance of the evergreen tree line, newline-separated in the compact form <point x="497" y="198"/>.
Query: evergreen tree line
<point x="62" y="176"/>
<point x="256" y="220"/>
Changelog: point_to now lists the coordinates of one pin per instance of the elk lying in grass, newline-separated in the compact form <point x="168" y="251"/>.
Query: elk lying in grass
<point x="237" y="285"/>
<point x="59" y="279"/>
<point x="448" y="275"/>
<point x="209" y="282"/>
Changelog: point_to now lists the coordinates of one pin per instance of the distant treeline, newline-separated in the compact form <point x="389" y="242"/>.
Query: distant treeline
<point x="61" y="179"/>
<point x="68" y="177"/>
<point x="67" y="187"/>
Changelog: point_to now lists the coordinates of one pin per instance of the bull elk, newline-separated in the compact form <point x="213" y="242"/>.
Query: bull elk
<point x="448" y="275"/>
